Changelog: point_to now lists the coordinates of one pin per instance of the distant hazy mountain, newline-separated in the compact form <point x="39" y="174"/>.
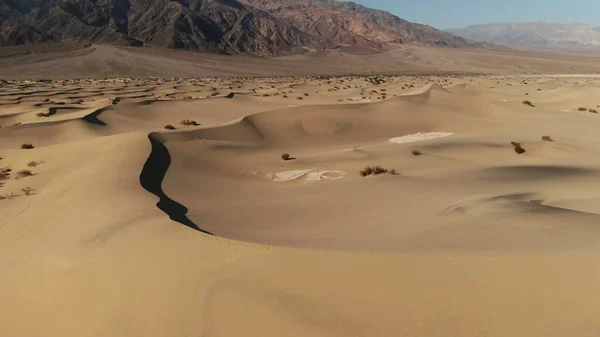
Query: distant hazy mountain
<point x="534" y="34"/>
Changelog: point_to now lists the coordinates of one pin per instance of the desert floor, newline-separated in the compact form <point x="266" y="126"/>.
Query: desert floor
<point x="113" y="225"/>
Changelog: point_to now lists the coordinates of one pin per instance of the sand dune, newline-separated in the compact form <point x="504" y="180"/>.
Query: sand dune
<point x="126" y="228"/>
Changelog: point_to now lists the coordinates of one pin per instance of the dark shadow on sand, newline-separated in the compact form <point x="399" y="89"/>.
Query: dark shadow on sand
<point x="151" y="180"/>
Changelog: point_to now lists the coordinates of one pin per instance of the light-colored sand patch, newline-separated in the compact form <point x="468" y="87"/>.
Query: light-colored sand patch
<point x="309" y="175"/>
<point x="417" y="137"/>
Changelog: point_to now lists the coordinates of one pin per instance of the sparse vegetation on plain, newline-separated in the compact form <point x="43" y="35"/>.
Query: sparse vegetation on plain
<point x="24" y="173"/>
<point x="518" y="148"/>
<point x="189" y="122"/>
<point x="582" y="109"/>
<point x="27" y="146"/>
<point x="547" y="139"/>
<point x="528" y="103"/>
<point x="33" y="163"/>
<point x="416" y="153"/>
<point x="375" y="170"/>
<point x="169" y="127"/>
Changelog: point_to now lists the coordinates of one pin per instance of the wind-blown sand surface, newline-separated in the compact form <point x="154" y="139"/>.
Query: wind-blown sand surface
<point x="124" y="228"/>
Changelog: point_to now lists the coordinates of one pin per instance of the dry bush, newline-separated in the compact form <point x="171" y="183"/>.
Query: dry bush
<point x="547" y="139"/>
<point x="528" y="103"/>
<point x="285" y="156"/>
<point x="33" y="163"/>
<point x="26" y="146"/>
<point x="416" y="152"/>
<point x="188" y="122"/>
<point x="28" y="191"/>
<point x="582" y="109"/>
<point x="375" y="170"/>
<point x="42" y="114"/>
<point x="169" y="127"/>
<point x="518" y="148"/>
<point x="5" y="172"/>
<point x="24" y="173"/>
<point x="593" y="111"/>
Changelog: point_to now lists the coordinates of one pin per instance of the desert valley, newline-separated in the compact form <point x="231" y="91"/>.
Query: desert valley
<point x="397" y="190"/>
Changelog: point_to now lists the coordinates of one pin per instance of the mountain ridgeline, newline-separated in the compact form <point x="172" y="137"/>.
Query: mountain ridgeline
<point x="260" y="27"/>
<point x="535" y="34"/>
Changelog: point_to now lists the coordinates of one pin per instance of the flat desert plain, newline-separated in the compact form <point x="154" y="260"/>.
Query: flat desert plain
<point x="163" y="206"/>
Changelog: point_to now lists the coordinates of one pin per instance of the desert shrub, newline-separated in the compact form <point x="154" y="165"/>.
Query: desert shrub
<point x="188" y="122"/>
<point x="547" y="139"/>
<point x="42" y="114"/>
<point x="416" y="152"/>
<point x="33" y="163"/>
<point x="582" y="109"/>
<point x="24" y="173"/>
<point x="299" y="98"/>
<point x="528" y="103"/>
<point x="518" y="148"/>
<point x="28" y="191"/>
<point x="375" y="170"/>
<point x="169" y="127"/>
<point x="26" y="146"/>
<point x="593" y="111"/>
<point x="285" y="156"/>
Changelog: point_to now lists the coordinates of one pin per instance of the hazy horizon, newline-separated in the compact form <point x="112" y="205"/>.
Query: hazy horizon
<point x="449" y="14"/>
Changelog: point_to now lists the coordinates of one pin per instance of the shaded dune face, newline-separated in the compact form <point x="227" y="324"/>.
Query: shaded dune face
<point x="469" y="192"/>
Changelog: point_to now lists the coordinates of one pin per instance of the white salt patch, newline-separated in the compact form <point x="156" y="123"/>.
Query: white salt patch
<point x="310" y="175"/>
<point x="417" y="137"/>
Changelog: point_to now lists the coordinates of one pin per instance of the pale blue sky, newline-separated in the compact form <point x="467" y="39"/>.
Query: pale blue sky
<point x="446" y="14"/>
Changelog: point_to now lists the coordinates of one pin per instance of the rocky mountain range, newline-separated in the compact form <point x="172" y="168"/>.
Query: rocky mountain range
<point x="261" y="27"/>
<point x="535" y="34"/>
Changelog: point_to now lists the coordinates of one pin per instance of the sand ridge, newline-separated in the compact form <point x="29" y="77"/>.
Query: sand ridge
<point x="127" y="228"/>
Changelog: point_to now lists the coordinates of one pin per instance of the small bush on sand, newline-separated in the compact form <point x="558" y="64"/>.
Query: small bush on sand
<point x="169" y="127"/>
<point x="416" y="152"/>
<point x="33" y="163"/>
<point x="28" y="191"/>
<point x="285" y="156"/>
<point x="528" y="103"/>
<point x="593" y="111"/>
<point x="375" y="170"/>
<point x="5" y="173"/>
<point x="582" y="109"/>
<point x="42" y="114"/>
<point x="26" y="146"/>
<point x="24" y="173"/>
<point x="188" y="122"/>
<point x="518" y="148"/>
<point x="547" y="139"/>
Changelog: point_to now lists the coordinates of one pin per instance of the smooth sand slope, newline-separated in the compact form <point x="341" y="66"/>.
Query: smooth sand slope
<point x="124" y="228"/>
<point x="99" y="61"/>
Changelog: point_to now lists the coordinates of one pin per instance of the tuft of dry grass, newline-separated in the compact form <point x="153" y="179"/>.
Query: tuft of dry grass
<point x="33" y="163"/>
<point x="582" y="109"/>
<point x="547" y="139"/>
<point x="5" y="172"/>
<point x="416" y="153"/>
<point x="28" y="191"/>
<point x="24" y="173"/>
<point x="518" y="148"/>
<point x="188" y="122"/>
<point x="169" y="127"/>
<point x="375" y="170"/>
<point x="285" y="156"/>
<point x="26" y="146"/>
<point x="594" y="111"/>
<point x="42" y="114"/>
<point x="528" y="103"/>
